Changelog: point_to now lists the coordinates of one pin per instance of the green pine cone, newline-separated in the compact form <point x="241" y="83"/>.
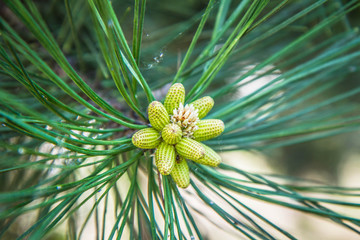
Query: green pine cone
<point x="211" y="158"/>
<point x="208" y="129"/>
<point x="174" y="97"/>
<point x="171" y="133"/>
<point x="190" y="149"/>
<point x="203" y="105"/>
<point x="180" y="174"/>
<point x="158" y="115"/>
<point x="147" y="138"/>
<point x="165" y="157"/>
